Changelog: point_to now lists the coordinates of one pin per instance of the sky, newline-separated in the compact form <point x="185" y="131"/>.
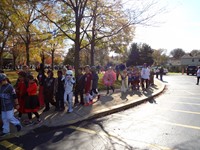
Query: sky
<point x="179" y="27"/>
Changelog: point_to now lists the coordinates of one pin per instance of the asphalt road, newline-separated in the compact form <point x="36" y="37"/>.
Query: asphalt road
<point x="170" y="121"/>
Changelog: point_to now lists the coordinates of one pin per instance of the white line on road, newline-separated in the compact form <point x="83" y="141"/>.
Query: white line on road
<point x="182" y="111"/>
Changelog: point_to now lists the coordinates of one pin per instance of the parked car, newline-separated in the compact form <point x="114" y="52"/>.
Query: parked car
<point x="191" y="70"/>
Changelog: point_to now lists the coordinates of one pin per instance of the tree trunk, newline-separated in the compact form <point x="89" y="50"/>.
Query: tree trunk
<point x="1" y="60"/>
<point x="93" y="36"/>
<point x="76" y="54"/>
<point x="14" y="62"/>
<point x="27" y="54"/>
<point x="42" y="57"/>
<point x="77" y="41"/>
<point x="52" y="58"/>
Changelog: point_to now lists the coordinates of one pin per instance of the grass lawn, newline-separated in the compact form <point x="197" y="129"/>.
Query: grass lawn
<point x="12" y="75"/>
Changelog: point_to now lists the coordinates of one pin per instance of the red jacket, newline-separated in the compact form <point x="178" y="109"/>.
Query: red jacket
<point x="32" y="88"/>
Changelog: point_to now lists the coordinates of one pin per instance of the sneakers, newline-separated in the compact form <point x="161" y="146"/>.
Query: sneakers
<point x="69" y="110"/>
<point x="4" y="134"/>
<point x="19" y="127"/>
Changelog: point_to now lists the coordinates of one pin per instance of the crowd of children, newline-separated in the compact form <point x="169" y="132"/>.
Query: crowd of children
<point x="33" y="94"/>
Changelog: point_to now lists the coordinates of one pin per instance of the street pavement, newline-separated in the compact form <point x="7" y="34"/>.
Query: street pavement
<point x="107" y="104"/>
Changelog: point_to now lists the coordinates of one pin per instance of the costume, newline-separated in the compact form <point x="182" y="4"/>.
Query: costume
<point x="109" y="79"/>
<point x="49" y="90"/>
<point x="95" y="77"/>
<point x="41" y="79"/>
<point x="59" y="92"/>
<point x="21" y="90"/>
<point x="68" y="95"/>
<point x="135" y="79"/>
<point x="124" y="86"/>
<point x="8" y="97"/>
<point x="79" y="87"/>
<point x="32" y="103"/>
<point x="87" y="88"/>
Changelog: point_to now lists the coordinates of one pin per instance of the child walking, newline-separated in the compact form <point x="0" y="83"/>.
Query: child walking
<point x="94" y="92"/>
<point x="8" y="100"/>
<point x="109" y="79"/>
<point x="32" y="103"/>
<point x="68" y="95"/>
<point x="79" y="87"/>
<point x="21" y="90"/>
<point x="88" y="86"/>
<point x="59" y="91"/>
<point x="124" y="84"/>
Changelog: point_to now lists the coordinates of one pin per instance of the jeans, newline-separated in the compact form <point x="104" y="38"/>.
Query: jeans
<point x="7" y="118"/>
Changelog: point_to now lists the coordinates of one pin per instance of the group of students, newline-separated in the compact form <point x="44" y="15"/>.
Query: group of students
<point x="134" y="78"/>
<point x="30" y="94"/>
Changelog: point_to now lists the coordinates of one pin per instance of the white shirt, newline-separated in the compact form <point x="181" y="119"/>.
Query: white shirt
<point x="145" y="73"/>
<point x="198" y="73"/>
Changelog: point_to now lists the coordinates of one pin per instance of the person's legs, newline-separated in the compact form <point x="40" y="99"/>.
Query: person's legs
<point x="198" y="80"/>
<point x="19" y="115"/>
<point x="142" y="83"/>
<point x="30" y="116"/>
<point x="161" y="77"/>
<point x="147" y="83"/>
<point x="76" y="97"/>
<point x="6" y="125"/>
<point x="37" y="116"/>
<point x="81" y="97"/>
<point x="107" y="89"/>
<point x="46" y="103"/>
<point x="62" y="107"/>
<point x="70" y="102"/>
<point x="112" y="87"/>
<point x="11" y="118"/>
<point x="57" y="102"/>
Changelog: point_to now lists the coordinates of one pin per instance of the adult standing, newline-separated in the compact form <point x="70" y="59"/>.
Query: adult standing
<point x="198" y="75"/>
<point x="161" y="73"/>
<point x="157" y="71"/>
<point x="145" y="73"/>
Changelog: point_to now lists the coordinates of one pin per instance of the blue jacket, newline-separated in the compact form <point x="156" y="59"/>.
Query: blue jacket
<point x="7" y="97"/>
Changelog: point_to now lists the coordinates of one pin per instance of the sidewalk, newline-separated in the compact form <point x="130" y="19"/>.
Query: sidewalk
<point x="107" y="104"/>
